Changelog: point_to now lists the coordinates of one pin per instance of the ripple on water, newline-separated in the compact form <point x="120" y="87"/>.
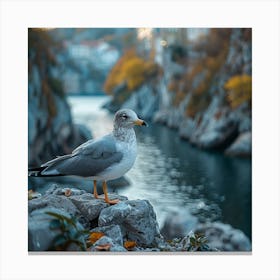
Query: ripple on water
<point x="154" y="177"/>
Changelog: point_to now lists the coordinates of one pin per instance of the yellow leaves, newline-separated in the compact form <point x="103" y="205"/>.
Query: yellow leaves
<point x="134" y="71"/>
<point x="239" y="90"/>
<point x="130" y="69"/>
<point x="129" y="245"/>
<point x="94" y="236"/>
<point x="238" y="82"/>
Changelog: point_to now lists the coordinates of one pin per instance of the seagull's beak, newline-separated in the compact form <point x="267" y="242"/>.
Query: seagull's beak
<point x="140" y="122"/>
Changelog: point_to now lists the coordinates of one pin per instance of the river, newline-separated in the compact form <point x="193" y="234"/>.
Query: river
<point x="173" y="175"/>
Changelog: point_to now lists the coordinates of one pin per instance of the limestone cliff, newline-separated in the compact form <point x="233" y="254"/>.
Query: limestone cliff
<point x="203" y="88"/>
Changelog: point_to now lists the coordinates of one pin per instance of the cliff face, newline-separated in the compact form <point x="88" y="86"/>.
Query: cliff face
<point x="203" y="90"/>
<point x="50" y="128"/>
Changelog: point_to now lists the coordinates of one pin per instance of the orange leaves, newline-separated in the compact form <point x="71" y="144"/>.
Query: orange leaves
<point x="130" y="69"/>
<point x="129" y="245"/>
<point x="239" y="89"/>
<point x="94" y="236"/>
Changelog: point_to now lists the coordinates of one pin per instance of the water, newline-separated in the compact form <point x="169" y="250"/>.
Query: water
<point x="173" y="175"/>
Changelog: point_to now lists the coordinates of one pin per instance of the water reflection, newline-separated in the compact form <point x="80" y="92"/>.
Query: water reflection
<point x="173" y="175"/>
<point x="213" y="186"/>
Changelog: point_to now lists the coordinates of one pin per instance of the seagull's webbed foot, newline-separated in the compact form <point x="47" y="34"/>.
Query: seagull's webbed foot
<point x="112" y="202"/>
<point x="107" y="200"/>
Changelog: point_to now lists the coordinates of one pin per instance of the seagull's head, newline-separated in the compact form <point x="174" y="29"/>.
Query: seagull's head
<point x="127" y="118"/>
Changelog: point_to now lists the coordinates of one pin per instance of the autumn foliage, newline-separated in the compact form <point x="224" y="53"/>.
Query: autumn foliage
<point x="94" y="236"/>
<point x="129" y="245"/>
<point x="201" y="72"/>
<point x="239" y="90"/>
<point x="131" y="70"/>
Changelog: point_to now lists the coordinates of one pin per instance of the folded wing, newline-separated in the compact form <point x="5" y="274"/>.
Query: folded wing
<point x="89" y="159"/>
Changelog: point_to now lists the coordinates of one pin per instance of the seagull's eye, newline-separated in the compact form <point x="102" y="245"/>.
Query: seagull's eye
<point x="124" y="117"/>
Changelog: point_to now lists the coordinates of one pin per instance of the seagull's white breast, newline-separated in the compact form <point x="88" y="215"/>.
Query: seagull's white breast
<point x="129" y="151"/>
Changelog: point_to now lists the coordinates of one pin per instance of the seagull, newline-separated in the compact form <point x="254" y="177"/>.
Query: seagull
<point x="103" y="159"/>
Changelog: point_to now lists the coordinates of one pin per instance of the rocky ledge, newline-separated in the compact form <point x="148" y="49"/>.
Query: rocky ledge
<point x="68" y="219"/>
<point x="71" y="219"/>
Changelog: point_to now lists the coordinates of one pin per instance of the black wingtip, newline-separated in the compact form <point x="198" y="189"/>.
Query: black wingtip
<point x="37" y="172"/>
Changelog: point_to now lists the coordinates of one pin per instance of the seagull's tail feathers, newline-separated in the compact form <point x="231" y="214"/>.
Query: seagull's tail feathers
<point x="48" y="169"/>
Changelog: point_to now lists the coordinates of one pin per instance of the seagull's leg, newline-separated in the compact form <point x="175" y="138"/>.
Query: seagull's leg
<point x="95" y="189"/>
<point x="107" y="200"/>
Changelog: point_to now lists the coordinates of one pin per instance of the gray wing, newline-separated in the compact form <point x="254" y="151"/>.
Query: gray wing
<point x="87" y="160"/>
